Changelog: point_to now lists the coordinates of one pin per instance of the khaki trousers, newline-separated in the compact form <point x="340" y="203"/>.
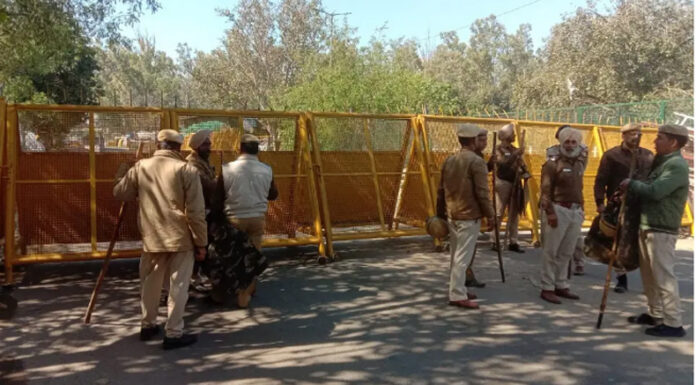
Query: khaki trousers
<point x="253" y="227"/>
<point x="578" y="254"/>
<point x="657" y="271"/>
<point x="463" y="235"/>
<point x="503" y="190"/>
<point x="559" y="245"/>
<point x="176" y="267"/>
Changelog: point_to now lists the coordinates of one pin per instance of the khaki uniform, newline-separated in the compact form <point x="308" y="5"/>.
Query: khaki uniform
<point x="463" y="197"/>
<point x="553" y="153"/>
<point x="660" y="284"/>
<point x="507" y="164"/>
<point x="561" y="193"/>
<point x="171" y="219"/>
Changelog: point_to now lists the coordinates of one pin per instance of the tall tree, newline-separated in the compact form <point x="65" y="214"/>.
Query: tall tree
<point x="484" y="71"/>
<point x="139" y="75"/>
<point x="636" y="49"/>
<point x="47" y="54"/>
<point x="265" y="50"/>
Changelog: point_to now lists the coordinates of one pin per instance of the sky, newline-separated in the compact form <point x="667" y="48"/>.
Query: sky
<point x="198" y="24"/>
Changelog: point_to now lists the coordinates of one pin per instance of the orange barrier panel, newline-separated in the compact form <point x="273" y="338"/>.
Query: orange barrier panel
<point x="340" y="176"/>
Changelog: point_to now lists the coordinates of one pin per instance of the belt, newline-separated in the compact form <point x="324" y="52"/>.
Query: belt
<point x="568" y="205"/>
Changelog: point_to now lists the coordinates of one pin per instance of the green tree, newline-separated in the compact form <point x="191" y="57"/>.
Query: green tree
<point x="483" y="72"/>
<point x="47" y="55"/>
<point x="139" y="75"/>
<point x="265" y="51"/>
<point x="637" y="49"/>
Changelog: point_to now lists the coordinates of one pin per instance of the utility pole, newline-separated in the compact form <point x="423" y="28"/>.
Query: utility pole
<point x="331" y="38"/>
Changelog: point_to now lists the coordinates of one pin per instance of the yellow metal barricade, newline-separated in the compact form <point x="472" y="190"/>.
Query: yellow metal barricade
<point x="440" y="141"/>
<point x="341" y="176"/>
<point x="370" y="181"/>
<point x="61" y="164"/>
<point x="294" y="218"/>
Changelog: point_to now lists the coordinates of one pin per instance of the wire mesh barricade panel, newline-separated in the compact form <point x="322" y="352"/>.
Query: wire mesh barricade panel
<point x="52" y="179"/>
<point x="117" y="137"/>
<point x="443" y="142"/>
<point x="291" y="215"/>
<point x="368" y="165"/>
<point x="53" y="216"/>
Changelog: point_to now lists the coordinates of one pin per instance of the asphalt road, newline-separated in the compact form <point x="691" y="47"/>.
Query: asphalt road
<point x="376" y="316"/>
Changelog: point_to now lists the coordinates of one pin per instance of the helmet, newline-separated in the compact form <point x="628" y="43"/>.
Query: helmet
<point x="436" y="227"/>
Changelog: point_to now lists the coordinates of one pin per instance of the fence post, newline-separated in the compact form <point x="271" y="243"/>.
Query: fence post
<point x="92" y="185"/>
<point x="10" y="200"/>
<point x="580" y="115"/>
<point x="663" y="109"/>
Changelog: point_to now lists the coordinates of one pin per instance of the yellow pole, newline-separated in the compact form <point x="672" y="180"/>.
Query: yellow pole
<point x="3" y="132"/>
<point x="164" y="122"/>
<point x="373" y="167"/>
<point x="10" y="190"/>
<point x="530" y="208"/>
<point x="317" y="166"/>
<point x="304" y="150"/>
<point x="430" y="194"/>
<point x="294" y="183"/>
<point x="597" y="137"/>
<point x="408" y="155"/>
<point x="92" y="184"/>
<point x="602" y="139"/>
<point x="174" y="120"/>
<point x="689" y="217"/>
<point x="430" y="166"/>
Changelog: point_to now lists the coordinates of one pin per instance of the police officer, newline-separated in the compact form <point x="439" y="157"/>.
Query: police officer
<point x="553" y="153"/>
<point x="614" y="168"/>
<point x="171" y="219"/>
<point x="509" y="169"/>
<point x="481" y="144"/>
<point x="463" y="197"/>
<point x="563" y="214"/>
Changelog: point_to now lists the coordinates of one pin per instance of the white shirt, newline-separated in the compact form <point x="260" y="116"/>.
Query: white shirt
<point x="247" y="183"/>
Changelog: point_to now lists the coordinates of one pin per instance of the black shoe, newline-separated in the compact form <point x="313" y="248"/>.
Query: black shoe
<point x="621" y="284"/>
<point x="665" y="331"/>
<point x="146" y="334"/>
<point x="516" y="248"/>
<point x="474" y="283"/>
<point x="644" y="319"/>
<point x="180" y="342"/>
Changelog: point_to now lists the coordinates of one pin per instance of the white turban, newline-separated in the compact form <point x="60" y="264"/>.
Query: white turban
<point x="198" y="138"/>
<point x="569" y="133"/>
